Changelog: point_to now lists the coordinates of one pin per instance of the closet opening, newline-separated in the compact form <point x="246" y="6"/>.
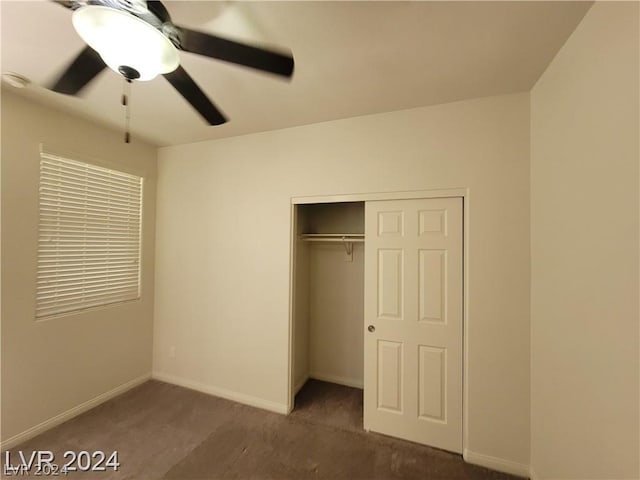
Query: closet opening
<point x="328" y="312"/>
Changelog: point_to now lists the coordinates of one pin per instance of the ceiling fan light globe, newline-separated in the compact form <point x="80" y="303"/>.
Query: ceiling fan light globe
<point x="122" y="39"/>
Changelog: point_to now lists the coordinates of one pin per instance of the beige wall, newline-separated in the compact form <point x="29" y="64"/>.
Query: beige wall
<point x="336" y="314"/>
<point x="49" y="367"/>
<point x="223" y="243"/>
<point x="584" y="252"/>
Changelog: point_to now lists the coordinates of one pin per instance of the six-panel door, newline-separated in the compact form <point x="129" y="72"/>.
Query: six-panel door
<point x="413" y="320"/>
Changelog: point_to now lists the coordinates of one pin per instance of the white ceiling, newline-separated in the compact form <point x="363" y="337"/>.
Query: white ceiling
<point x="351" y="59"/>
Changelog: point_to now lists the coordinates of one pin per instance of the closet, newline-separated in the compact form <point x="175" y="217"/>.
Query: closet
<point x="387" y="318"/>
<point x="329" y="293"/>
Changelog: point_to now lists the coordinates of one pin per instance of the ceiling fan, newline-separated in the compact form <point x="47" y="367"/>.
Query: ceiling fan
<point x="138" y="40"/>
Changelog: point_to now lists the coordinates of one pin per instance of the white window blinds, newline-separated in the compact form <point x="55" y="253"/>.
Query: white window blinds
<point x="89" y="236"/>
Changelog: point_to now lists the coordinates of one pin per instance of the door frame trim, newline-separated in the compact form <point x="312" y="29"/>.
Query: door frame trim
<point x="459" y="192"/>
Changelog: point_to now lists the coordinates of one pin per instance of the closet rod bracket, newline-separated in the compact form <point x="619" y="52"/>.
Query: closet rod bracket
<point x="348" y="248"/>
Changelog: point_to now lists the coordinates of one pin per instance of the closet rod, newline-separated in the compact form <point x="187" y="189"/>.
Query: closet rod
<point x="347" y="239"/>
<point x="332" y="237"/>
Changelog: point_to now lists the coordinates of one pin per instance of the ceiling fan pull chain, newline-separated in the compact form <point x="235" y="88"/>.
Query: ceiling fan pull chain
<point x="126" y="93"/>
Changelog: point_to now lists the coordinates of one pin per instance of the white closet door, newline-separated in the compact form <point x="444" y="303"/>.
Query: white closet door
<point x="413" y="320"/>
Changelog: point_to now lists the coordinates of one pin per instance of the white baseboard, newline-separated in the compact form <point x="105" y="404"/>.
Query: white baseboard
<point x="72" y="412"/>
<point x="532" y="474"/>
<point x="495" y="463"/>
<point x="222" y="392"/>
<point x="349" y="382"/>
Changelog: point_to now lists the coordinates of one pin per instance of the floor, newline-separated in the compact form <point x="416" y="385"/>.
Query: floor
<point x="162" y="431"/>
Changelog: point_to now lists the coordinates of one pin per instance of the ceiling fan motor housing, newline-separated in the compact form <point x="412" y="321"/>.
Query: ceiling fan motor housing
<point x="153" y="13"/>
<point x="133" y="6"/>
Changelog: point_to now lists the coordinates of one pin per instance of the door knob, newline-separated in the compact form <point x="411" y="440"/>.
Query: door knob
<point x="371" y="328"/>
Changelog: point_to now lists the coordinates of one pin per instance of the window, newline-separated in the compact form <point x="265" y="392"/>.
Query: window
<point x="89" y="236"/>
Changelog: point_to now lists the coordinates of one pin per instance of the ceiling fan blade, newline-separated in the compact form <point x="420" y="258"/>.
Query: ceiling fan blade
<point x="65" y="3"/>
<point x="82" y="70"/>
<point x="184" y="84"/>
<point x="158" y="9"/>
<point x="234" y="52"/>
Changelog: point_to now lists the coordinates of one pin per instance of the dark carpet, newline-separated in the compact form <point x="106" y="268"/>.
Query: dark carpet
<point x="164" y="431"/>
